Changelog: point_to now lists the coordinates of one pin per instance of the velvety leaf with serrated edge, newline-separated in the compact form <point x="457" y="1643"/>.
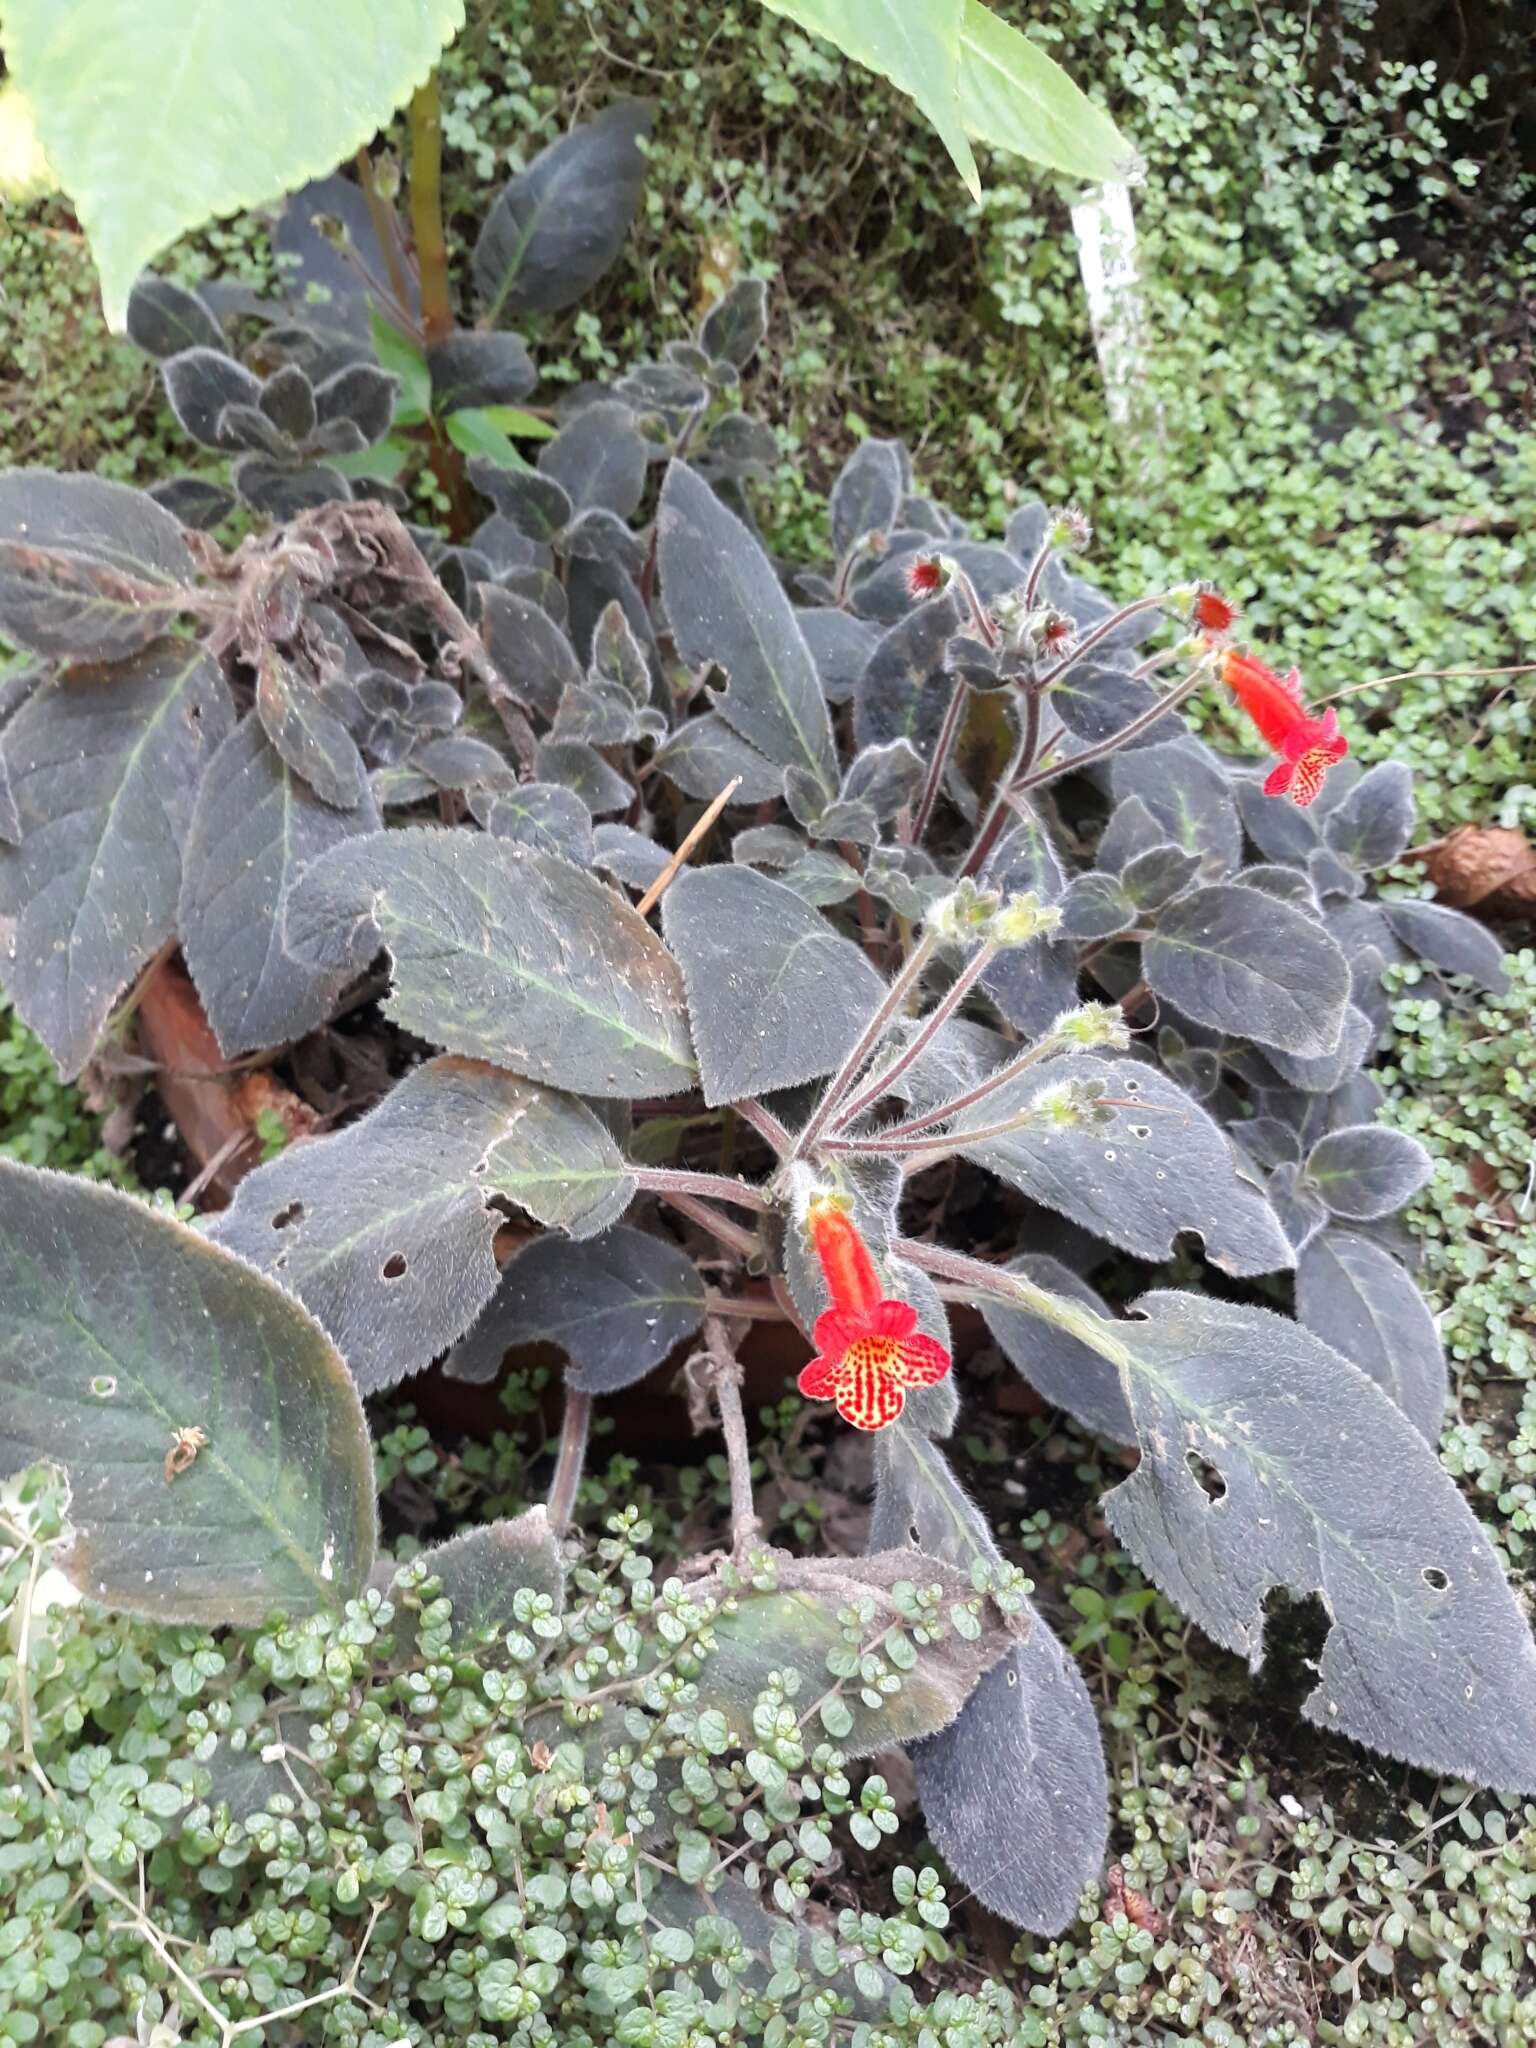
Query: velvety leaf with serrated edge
<point x="1188" y="795"/>
<point x="1374" y="822"/>
<point x="1246" y="963"/>
<point x="88" y="569"/>
<point x="1328" y="1489"/>
<point x="1449" y="940"/>
<point x="384" y="1230"/>
<point x="1279" y="830"/>
<point x="616" y="1306"/>
<point x="552" y="973"/>
<point x="582" y="768"/>
<point x="1366" y="1170"/>
<point x="705" y="754"/>
<point x="556" y="226"/>
<point x="867" y="494"/>
<point x="314" y="743"/>
<point x="775" y="995"/>
<point x="1097" y="698"/>
<point x="795" y="1626"/>
<point x="1066" y="1371"/>
<point x="199" y="384"/>
<point x="255" y="825"/>
<point x="1357" y="1297"/>
<point x="917" y="48"/>
<point x="1096" y="907"/>
<point x="840" y="647"/>
<point x="1156" y="1170"/>
<point x="904" y="690"/>
<point x="536" y="505"/>
<point x="1132" y="830"/>
<point x="104" y="770"/>
<point x="1018" y="99"/>
<point x="121" y="1328"/>
<point x="1014" y="1792"/>
<point x="725" y="605"/>
<point x="545" y="816"/>
<point x="529" y="648"/>
<point x="142" y="131"/>
<point x="485" y="1568"/>
<point x="599" y="459"/>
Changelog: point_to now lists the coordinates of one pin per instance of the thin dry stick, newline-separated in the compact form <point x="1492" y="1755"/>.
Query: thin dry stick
<point x="1420" y="675"/>
<point x="663" y="881"/>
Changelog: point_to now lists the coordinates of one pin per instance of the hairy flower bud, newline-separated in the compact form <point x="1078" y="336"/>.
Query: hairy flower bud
<point x="965" y="914"/>
<point x="1070" y="528"/>
<point x="1071" y="1105"/>
<point x="1023" y="918"/>
<point x="1093" y="1024"/>
<point x="927" y="574"/>
<point x="1211" y="612"/>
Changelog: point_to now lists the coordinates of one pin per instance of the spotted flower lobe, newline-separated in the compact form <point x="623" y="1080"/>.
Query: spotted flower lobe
<point x="869" y="1348"/>
<point x="1307" y="746"/>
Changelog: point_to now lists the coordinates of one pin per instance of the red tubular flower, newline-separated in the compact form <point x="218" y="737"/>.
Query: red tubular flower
<point x="1307" y="746"/>
<point x="869" y="1348"/>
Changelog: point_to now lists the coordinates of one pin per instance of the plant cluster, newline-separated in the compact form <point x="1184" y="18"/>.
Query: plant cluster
<point x="979" y="903"/>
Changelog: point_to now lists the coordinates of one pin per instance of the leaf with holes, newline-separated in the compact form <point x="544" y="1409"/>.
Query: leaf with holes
<point x="552" y="974"/>
<point x="1356" y="1295"/>
<point x="385" y="1229"/>
<point x="89" y="570"/>
<point x="726" y="607"/>
<point x="104" y="771"/>
<point x="254" y="827"/>
<point x="1323" y="1486"/>
<point x="217" y="1457"/>
<point x="1365" y="1171"/>
<point x="1243" y="962"/>
<point x="775" y="995"/>
<point x="616" y="1306"/>
<point x="1162" y="1166"/>
<point x="800" y="1623"/>
<point x="1013" y="1792"/>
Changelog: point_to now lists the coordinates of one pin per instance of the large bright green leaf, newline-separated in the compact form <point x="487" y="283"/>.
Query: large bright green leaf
<point x="160" y="116"/>
<point x="914" y="43"/>
<point x="1015" y="97"/>
<point x="121" y="1329"/>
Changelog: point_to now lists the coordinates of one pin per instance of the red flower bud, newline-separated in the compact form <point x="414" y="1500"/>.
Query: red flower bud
<point x="925" y="575"/>
<point x="1214" y="613"/>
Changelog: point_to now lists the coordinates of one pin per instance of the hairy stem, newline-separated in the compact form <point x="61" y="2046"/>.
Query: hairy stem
<point x="575" y="1426"/>
<point x="1031" y="1056"/>
<point x="1101" y="633"/>
<point x="1021" y="764"/>
<point x="743" y="1242"/>
<point x="427" y="211"/>
<point x="382" y="215"/>
<point x="978" y="1280"/>
<point x="1120" y="738"/>
<point x="665" y="1180"/>
<point x="906" y="979"/>
<point x="943" y="746"/>
<point x="923" y="1037"/>
<point x="765" y="1123"/>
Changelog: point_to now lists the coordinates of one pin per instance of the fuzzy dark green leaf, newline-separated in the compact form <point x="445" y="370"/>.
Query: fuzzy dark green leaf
<point x="255" y="826"/>
<point x="1451" y="941"/>
<point x="483" y="1570"/>
<point x="1187" y="793"/>
<point x="599" y="459"/>
<point x="775" y="995"/>
<point x="1374" y="822"/>
<point x="104" y="769"/>
<point x="726" y="607"/>
<point x="89" y="570"/>
<point x="121" y="1328"/>
<point x="1353" y="1293"/>
<point x="616" y="1306"/>
<point x="1245" y="963"/>
<point x="557" y="226"/>
<point x="1366" y="1170"/>
<point x="552" y="974"/>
